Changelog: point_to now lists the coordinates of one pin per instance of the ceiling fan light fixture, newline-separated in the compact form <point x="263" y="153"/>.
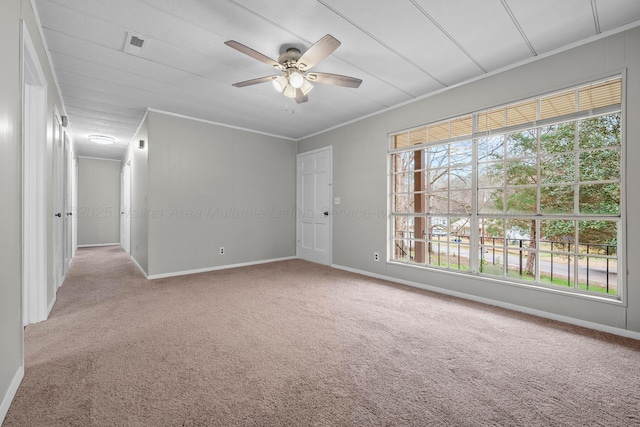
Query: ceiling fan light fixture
<point x="102" y="139"/>
<point x="279" y="83"/>
<point x="296" y="79"/>
<point x="290" y="92"/>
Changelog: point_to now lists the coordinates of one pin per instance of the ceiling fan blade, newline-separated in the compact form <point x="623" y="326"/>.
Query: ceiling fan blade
<point x="301" y="97"/>
<point x="254" y="54"/>
<point x="334" y="79"/>
<point x="317" y="52"/>
<point x="254" y="81"/>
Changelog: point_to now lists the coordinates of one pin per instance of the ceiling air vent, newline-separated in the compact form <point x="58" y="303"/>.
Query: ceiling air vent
<point x="134" y="43"/>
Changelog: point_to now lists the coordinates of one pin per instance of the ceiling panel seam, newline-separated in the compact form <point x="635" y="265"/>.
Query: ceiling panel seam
<point x="381" y="43"/>
<point x="596" y="19"/>
<point x="293" y="33"/>
<point x="449" y="36"/>
<point x="517" y="24"/>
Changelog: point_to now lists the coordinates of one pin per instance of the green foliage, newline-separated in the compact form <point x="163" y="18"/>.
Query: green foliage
<point x="552" y="165"/>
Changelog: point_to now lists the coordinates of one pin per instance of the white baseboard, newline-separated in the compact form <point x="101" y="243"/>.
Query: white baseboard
<point x="98" y="244"/>
<point x="11" y="393"/>
<point x="53" y="301"/>
<point x="135" y="262"/>
<point x="544" y="314"/>
<point x="221" y="267"/>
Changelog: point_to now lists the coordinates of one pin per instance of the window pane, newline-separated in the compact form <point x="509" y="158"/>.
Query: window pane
<point x="521" y="264"/>
<point x="403" y="203"/>
<point x="460" y="202"/>
<point x="522" y="200"/>
<point x="491" y="201"/>
<point x="557" y="239"/>
<point x="597" y="274"/>
<point x="438" y="247"/>
<point x="403" y="162"/>
<point x="462" y="126"/>
<point x="557" y="138"/>
<point x="598" y="237"/>
<point x="490" y="174"/>
<point x="522" y="144"/>
<point x="600" y="199"/>
<point x="557" y="169"/>
<point x="558" y="104"/>
<point x="438" y="202"/>
<point x="522" y="171"/>
<point x="403" y="182"/>
<point x="492" y="261"/>
<point x="559" y="234"/>
<point x="557" y="199"/>
<point x="418" y="136"/>
<point x="458" y="255"/>
<point x="493" y="119"/>
<point x="600" y="94"/>
<point x="437" y="157"/>
<point x="437" y="179"/>
<point x="461" y="176"/>
<point x="491" y="148"/>
<point x="438" y="132"/>
<point x="460" y="153"/>
<point x="525" y="112"/>
<point x="598" y="132"/>
<point x="600" y="165"/>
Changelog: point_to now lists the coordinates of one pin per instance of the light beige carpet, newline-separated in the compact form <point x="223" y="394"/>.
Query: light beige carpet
<point x="298" y="344"/>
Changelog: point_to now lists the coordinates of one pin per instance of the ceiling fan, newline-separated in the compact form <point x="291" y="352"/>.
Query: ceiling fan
<point x="295" y="80"/>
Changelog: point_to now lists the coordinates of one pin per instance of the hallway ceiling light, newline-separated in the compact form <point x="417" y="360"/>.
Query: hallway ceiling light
<point x="102" y="139"/>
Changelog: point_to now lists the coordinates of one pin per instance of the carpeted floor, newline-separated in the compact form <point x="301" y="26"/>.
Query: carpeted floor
<point x="298" y="344"/>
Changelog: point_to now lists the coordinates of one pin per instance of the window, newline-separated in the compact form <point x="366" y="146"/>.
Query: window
<point x="528" y="192"/>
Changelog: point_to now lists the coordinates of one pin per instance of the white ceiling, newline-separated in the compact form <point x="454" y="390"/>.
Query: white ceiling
<point x="400" y="49"/>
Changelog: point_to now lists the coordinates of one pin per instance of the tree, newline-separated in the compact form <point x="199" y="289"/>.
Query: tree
<point x="541" y="179"/>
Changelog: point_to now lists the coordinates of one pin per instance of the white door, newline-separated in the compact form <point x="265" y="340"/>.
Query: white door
<point x="314" y="206"/>
<point x="58" y="200"/>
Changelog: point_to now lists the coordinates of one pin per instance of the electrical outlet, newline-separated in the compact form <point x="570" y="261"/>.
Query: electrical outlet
<point x="376" y="256"/>
<point x="221" y="250"/>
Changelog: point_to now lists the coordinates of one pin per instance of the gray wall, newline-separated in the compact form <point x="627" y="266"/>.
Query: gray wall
<point x="98" y="202"/>
<point x="360" y="180"/>
<point x="211" y="186"/>
<point x="11" y="338"/>
<point x="10" y="194"/>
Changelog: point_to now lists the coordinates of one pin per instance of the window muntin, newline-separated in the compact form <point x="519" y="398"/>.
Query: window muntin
<point x="529" y="192"/>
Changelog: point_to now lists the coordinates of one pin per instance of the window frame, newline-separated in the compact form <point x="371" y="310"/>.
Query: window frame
<point x="474" y="244"/>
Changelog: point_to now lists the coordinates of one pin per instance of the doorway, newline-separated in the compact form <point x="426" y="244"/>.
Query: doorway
<point x="34" y="202"/>
<point x="313" y="220"/>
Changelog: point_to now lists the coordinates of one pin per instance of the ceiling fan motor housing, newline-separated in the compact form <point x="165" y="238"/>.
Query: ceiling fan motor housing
<point x="289" y="59"/>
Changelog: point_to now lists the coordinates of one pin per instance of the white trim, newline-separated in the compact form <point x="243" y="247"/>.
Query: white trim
<point x="153" y="110"/>
<point x="52" y="303"/>
<point x="221" y="267"/>
<point x="135" y="262"/>
<point x="33" y="186"/>
<point x="544" y="314"/>
<point x="11" y="393"/>
<point x="92" y="245"/>
<point x="99" y="158"/>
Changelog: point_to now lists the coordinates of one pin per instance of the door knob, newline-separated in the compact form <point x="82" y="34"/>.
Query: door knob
<point x="59" y="215"/>
<point x="326" y="214"/>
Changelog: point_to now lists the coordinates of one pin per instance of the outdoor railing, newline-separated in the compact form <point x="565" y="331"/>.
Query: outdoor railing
<point x="405" y="246"/>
